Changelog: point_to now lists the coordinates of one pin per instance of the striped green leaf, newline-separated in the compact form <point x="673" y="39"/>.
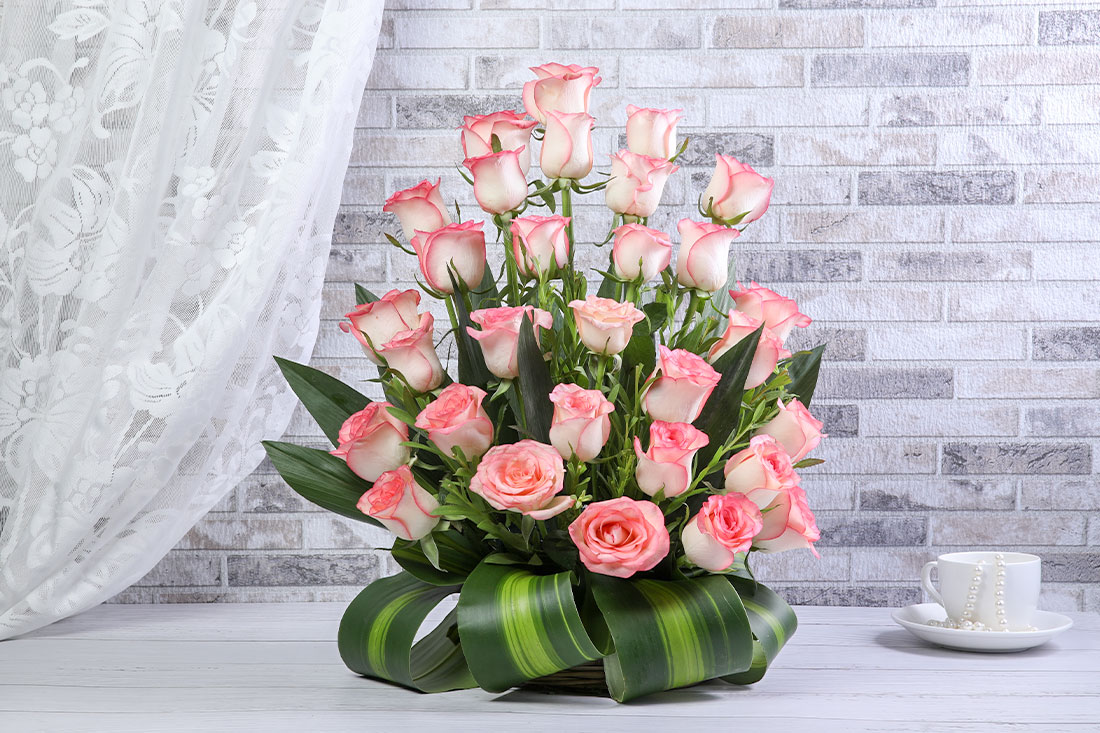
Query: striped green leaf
<point x="458" y="555"/>
<point x="516" y="626"/>
<point x="772" y="622"/>
<point x="320" y="478"/>
<point x="377" y="631"/>
<point x="327" y="399"/>
<point x="670" y="634"/>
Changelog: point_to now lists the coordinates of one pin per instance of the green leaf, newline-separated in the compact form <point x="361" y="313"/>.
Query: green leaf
<point x="534" y="384"/>
<point x="722" y="411"/>
<point x="377" y="632"/>
<point x="639" y="351"/>
<point x="610" y="286"/>
<point x="671" y="634"/>
<point x="362" y="295"/>
<point x="320" y="478"/>
<point x="804" y="368"/>
<point x="327" y="399"/>
<point x="807" y="462"/>
<point x="516" y="626"/>
<point x="458" y="555"/>
<point x="471" y="362"/>
<point x="772" y="622"/>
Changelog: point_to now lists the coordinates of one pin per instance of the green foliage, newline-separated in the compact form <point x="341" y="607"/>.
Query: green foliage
<point x="320" y="478"/>
<point x="534" y="385"/>
<point x="804" y="368"/>
<point x="327" y="399"/>
<point x="718" y="417"/>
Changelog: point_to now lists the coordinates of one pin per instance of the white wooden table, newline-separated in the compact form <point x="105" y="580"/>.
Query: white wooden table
<point x="274" y="667"/>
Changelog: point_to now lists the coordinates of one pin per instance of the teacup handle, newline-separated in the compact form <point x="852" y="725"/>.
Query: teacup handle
<point x="926" y="582"/>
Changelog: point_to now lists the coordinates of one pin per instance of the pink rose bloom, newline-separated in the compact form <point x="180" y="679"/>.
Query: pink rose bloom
<point x="394" y="334"/>
<point x="419" y="208"/>
<point x="567" y="145"/>
<point x="795" y="429"/>
<point x="620" y="537"/>
<point x="703" y="262"/>
<point x="760" y="471"/>
<point x="639" y="251"/>
<point x="778" y="313"/>
<point x="682" y="382"/>
<point x="637" y="182"/>
<point x="667" y="463"/>
<point x="461" y="246"/>
<point x="400" y="504"/>
<point x="651" y="132"/>
<point x="456" y="419"/>
<point x="768" y="352"/>
<point x="581" y="424"/>
<point x="605" y="325"/>
<point x="540" y="243"/>
<point x="735" y="189"/>
<point x="499" y="335"/>
<point x="412" y="355"/>
<point x="500" y="184"/>
<point x="559" y="88"/>
<point x="511" y="129"/>
<point x="788" y="524"/>
<point x="524" y="477"/>
<point x="370" y="441"/>
<point x="724" y="527"/>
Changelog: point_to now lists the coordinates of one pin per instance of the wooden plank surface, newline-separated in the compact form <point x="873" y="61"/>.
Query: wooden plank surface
<point x="274" y="667"/>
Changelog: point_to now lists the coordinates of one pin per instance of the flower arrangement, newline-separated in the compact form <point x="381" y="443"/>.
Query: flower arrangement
<point x="593" y="484"/>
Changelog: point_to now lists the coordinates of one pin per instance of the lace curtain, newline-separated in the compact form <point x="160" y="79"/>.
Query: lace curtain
<point x="169" y="177"/>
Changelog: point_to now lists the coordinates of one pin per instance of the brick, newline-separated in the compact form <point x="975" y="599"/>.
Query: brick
<point x="363" y="186"/>
<point x="890" y="70"/>
<point x="1061" y="186"/>
<point x="882" y="564"/>
<point x="356" y="263"/>
<point x="1026" y="382"/>
<point x="1040" y="67"/>
<point x="393" y="71"/>
<point x="1030" y="528"/>
<point x="874" y="4"/>
<point x="356" y="226"/>
<point x="269" y="494"/>
<point x="1072" y="302"/>
<point x="884" y="383"/>
<point x="331" y="532"/>
<point x="445" y="111"/>
<point x="842" y="344"/>
<point x="512" y="72"/>
<point x="857" y="148"/>
<point x="228" y="503"/>
<point x="243" y="534"/>
<point x="946" y="342"/>
<point x="928" y="418"/>
<point x="298" y="569"/>
<point x="954" y="107"/>
<point x="1060" y="598"/>
<point x="841" y="421"/>
<point x="859" y="304"/>
<point x="1062" y="343"/>
<point x="761" y="31"/>
<point x="789" y="108"/>
<point x="954" y="266"/>
<point x="803" y="187"/>
<point x="374" y="111"/>
<point x="800" y="266"/>
<point x="1069" y="27"/>
<point x="430" y="4"/>
<point x="748" y="147"/>
<point x="1047" y="494"/>
<point x="1011" y="458"/>
<point x="546" y="4"/>
<point x="863" y="530"/>
<point x="1064" y="263"/>
<point x="1069" y="106"/>
<point x="719" y="70"/>
<point x="799" y="566"/>
<point x="866" y="225"/>
<point x="968" y="28"/>
<point x="937" y="187"/>
<point x="482" y="31"/>
<point x="377" y="149"/>
<point x="901" y="494"/>
<point x="874" y="596"/>
<point x="870" y="457"/>
<point x="1079" y="419"/>
<point x="184" y="568"/>
<point x="1018" y="146"/>
<point x="568" y="32"/>
<point x="608" y="106"/>
<point x="828" y="493"/>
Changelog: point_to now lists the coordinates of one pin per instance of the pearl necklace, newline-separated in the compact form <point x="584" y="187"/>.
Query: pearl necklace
<point x="967" y="621"/>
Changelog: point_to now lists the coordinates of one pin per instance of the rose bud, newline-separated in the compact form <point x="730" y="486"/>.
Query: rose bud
<point x="605" y="325"/>
<point x="567" y="145"/>
<point x="620" y="537"/>
<point x="511" y="130"/>
<point x="374" y="324"/>
<point x="524" y="477"/>
<point x="768" y="352"/>
<point x="412" y="355"/>
<point x="724" y="527"/>
<point x="370" y="441"/>
<point x="559" y="88"/>
<point x="735" y="189"/>
<point x="788" y="524"/>
<point x="761" y="471"/>
<point x="651" y="132"/>
<point x="640" y="252"/>
<point x="581" y="424"/>
<point x="456" y="419"/>
<point x="500" y="184"/>
<point x="667" y="463"/>
<point x="499" y="335"/>
<point x="461" y="246"/>
<point x="681" y="384"/>
<point x="401" y="505"/>
<point x="703" y="262"/>
<point x="419" y="208"/>
<point x="795" y="429"/>
<point x="778" y="313"/>
<point x="540" y="243"/>
<point x="637" y="182"/>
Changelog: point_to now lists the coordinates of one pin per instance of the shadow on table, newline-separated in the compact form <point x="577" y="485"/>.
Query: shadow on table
<point x="713" y="690"/>
<point x="904" y="642"/>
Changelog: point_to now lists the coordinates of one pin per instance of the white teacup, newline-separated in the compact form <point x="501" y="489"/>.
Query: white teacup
<point x="997" y="589"/>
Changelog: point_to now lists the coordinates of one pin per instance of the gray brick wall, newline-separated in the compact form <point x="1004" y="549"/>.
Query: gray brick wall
<point x="937" y="167"/>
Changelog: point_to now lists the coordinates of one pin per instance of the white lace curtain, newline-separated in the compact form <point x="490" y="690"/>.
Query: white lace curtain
<point x="169" y="177"/>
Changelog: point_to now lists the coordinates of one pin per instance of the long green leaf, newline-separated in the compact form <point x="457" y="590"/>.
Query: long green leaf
<point x="362" y="295"/>
<point x="320" y="478"/>
<point x="772" y="622"/>
<point x="722" y="411"/>
<point x="516" y="626"/>
<point x="458" y="555"/>
<point x="640" y="351"/>
<point x="804" y="368"/>
<point x="471" y="362"/>
<point x="671" y="634"/>
<point x="534" y="384"/>
<point x="327" y="399"/>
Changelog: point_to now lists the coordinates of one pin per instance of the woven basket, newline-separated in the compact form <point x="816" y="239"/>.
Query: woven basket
<point x="584" y="679"/>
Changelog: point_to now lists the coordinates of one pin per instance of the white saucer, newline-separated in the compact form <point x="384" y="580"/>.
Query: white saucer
<point x="915" y="619"/>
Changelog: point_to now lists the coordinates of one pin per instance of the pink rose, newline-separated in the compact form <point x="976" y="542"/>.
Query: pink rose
<point x="559" y="88"/>
<point x="419" y="208"/>
<point x="795" y="429"/>
<point x="651" y="132"/>
<point x="637" y="182"/>
<point x="703" y="262"/>
<point x="412" y="355"/>
<point x="788" y="524"/>
<point x="370" y="441"/>
<point x="724" y="527"/>
<point x="681" y="384"/>
<point x="768" y="352"/>
<point x="500" y="184"/>
<point x="735" y="189"/>
<point x="760" y="471"/>
<point x="540" y="243"/>
<point x="620" y="537"/>
<point x="456" y="419"/>
<point x="567" y="145"/>
<point x="394" y="334"/>
<point x="461" y="246"/>
<point x="778" y="313"/>
<point x="640" y="252"/>
<point x="524" y="477"/>
<point x="400" y="504"/>
<point x="581" y="424"/>
<point x="499" y="335"/>
<point x="605" y="325"/>
<point x="667" y="463"/>
<point x="511" y="129"/>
